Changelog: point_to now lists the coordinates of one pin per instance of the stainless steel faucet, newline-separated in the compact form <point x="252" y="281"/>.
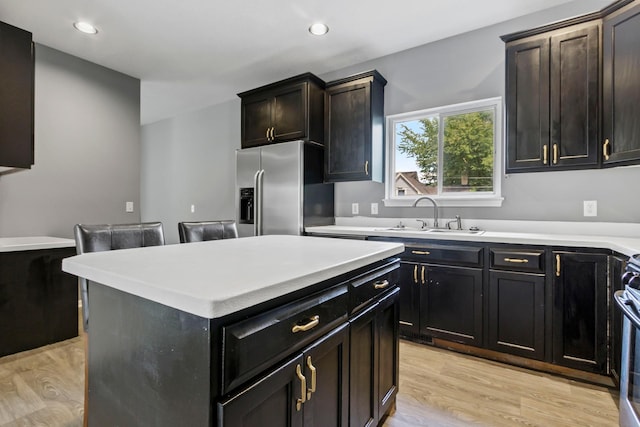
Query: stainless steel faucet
<point x="435" y="208"/>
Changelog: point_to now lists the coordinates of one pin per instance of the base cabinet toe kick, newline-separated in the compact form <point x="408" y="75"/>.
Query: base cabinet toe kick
<point x="325" y="355"/>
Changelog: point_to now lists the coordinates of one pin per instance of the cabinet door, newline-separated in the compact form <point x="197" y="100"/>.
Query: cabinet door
<point x="363" y="372"/>
<point x="617" y="266"/>
<point x="16" y="97"/>
<point x="387" y="348"/>
<point x="580" y="311"/>
<point x="409" y="283"/>
<point x="348" y="132"/>
<point x="328" y="388"/>
<point x="271" y="398"/>
<point x="621" y="86"/>
<point x="256" y="120"/>
<point x="574" y="98"/>
<point x="516" y="313"/>
<point x="289" y="113"/>
<point x="527" y="99"/>
<point x="451" y="304"/>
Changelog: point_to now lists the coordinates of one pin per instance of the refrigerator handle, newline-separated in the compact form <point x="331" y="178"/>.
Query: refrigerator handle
<point x="259" y="190"/>
<point x="256" y="207"/>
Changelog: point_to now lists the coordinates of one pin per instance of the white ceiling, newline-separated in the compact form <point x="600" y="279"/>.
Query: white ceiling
<point x="193" y="53"/>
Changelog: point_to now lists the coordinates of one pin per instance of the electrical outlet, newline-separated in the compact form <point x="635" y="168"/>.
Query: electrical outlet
<point x="590" y="208"/>
<point x="355" y="208"/>
<point x="128" y="207"/>
<point x="193" y="208"/>
<point x="374" y="209"/>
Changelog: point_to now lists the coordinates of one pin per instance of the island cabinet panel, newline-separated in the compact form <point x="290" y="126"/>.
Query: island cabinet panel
<point x="553" y="99"/>
<point x="617" y="265"/>
<point x="373" y="376"/>
<point x="149" y="364"/>
<point x="409" y="283"/>
<point x="17" y="59"/>
<point x="310" y="390"/>
<point x="38" y="301"/>
<point x="580" y="319"/>
<point x="621" y="86"/>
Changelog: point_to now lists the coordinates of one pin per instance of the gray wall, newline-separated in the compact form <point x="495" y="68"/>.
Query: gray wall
<point x="190" y="160"/>
<point x="470" y="67"/>
<point x="87" y="150"/>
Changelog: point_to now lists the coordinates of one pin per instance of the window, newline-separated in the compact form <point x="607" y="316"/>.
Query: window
<point x="450" y="153"/>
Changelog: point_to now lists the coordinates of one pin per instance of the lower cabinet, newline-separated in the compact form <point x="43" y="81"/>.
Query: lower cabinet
<point x="516" y="313"/>
<point x="310" y="389"/>
<point x="580" y="311"/>
<point x="409" y="284"/>
<point x="374" y="361"/>
<point x="451" y="303"/>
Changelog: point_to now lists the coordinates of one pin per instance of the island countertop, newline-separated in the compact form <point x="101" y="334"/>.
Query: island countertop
<point x="32" y="243"/>
<point x="215" y="278"/>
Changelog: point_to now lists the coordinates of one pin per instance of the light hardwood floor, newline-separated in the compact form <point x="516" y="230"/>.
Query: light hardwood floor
<point x="44" y="387"/>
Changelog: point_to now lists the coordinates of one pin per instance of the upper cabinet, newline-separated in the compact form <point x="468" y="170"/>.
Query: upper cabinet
<point x="556" y="97"/>
<point x="354" y="128"/>
<point x="16" y="97"/>
<point x="621" y="86"/>
<point x="552" y="99"/>
<point x="288" y="110"/>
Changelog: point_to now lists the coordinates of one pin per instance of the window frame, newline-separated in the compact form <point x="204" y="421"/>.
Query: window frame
<point x="484" y="199"/>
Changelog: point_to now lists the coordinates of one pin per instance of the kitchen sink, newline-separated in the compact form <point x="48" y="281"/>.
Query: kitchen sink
<point x="430" y="230"/>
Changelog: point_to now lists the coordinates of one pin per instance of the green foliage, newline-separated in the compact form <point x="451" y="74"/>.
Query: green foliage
<point x="468" y="150"/>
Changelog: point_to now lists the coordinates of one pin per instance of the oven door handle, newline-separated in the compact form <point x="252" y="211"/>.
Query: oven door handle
<point x="628" y="308"/>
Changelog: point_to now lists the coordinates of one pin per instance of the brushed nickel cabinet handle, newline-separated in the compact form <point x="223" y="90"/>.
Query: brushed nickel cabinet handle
<point x="272" y="133"/>
<point x="558" y="265"/>
<point x="381" y="284"/>
<point x="312" y="368"/>
<point x="415" y="273"/>
<point x="544" y="154"/>
<point x="303" y="388"/>
<point x="267" y="134"/>
<point x="405" y="323"/>
<point x="517" y="260"/>
<point x="555" y="154"/>
<point x="366" y="167"/>
<point x="605" y="148"/>
<point x="422" y="275"/>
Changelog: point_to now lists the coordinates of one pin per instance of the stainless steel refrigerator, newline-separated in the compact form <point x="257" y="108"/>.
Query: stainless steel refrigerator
<point x="280" y="189"/>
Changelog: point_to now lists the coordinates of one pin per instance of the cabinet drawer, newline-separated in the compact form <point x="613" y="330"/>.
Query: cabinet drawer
<point x="365" y="288"/>
<point x="254" y="344"/>
<point x="518" y="260"/>
<point x="441" y="254"/>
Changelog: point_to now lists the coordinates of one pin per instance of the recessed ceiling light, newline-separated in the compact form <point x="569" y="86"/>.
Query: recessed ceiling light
<point x="318" y="29"/>
<point x="85" y="27"/>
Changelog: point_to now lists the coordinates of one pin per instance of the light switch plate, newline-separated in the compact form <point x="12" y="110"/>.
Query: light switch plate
<point x="355" y="208"/>
<point x="128" y="207"/>
<point x="374" y="209"/>
<point x="590" y="208"/>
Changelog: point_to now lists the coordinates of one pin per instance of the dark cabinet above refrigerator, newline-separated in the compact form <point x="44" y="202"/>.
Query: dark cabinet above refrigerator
<point x="291" y="109"/>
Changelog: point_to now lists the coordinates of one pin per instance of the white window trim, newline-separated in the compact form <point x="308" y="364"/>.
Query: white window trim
<point x="467" y="200"/>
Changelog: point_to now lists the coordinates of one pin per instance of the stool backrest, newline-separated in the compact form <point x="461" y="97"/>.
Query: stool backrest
<point x="207" y="230"/>
<point x="107" y="237"/>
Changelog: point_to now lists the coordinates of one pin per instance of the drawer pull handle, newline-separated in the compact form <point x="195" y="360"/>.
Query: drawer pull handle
<point x="402" y="322"/>
<point x="312" y="368"/>
<point x="302" y="328"/>
<point x="303" y="388"/>
<point x="517" y="260"/>
<point x="421" y="252"/>
<point x="381" y="285"/>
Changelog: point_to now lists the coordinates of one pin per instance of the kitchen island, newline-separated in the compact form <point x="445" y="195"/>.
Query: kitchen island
<point x="225" y="332"/>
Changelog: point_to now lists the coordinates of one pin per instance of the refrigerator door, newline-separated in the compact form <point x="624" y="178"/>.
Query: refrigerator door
<point x="282" y="185"/>
<point x="247" y="166"/>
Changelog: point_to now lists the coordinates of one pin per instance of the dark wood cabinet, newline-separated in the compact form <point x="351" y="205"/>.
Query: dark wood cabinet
<point x="374" y="361"/>
<point x="580" y="317"/>
<point x="309" y="390"/>
<point x="617" y="265"/>
<point x="621" y="86"/>
<point x="552" y="99"/>
<point x="16" y="97"/>
<point x="288" y="110"/>
<point x="516" y="313"/>
<point x="354" y="128"/>
<point x="409" y="283"/>
<point x="451" y="303"/>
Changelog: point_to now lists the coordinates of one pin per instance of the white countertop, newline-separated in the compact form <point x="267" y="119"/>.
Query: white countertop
<point x="12" y="244"/>
<point x="216" y="278"/>
<point x="624" y="245"/>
